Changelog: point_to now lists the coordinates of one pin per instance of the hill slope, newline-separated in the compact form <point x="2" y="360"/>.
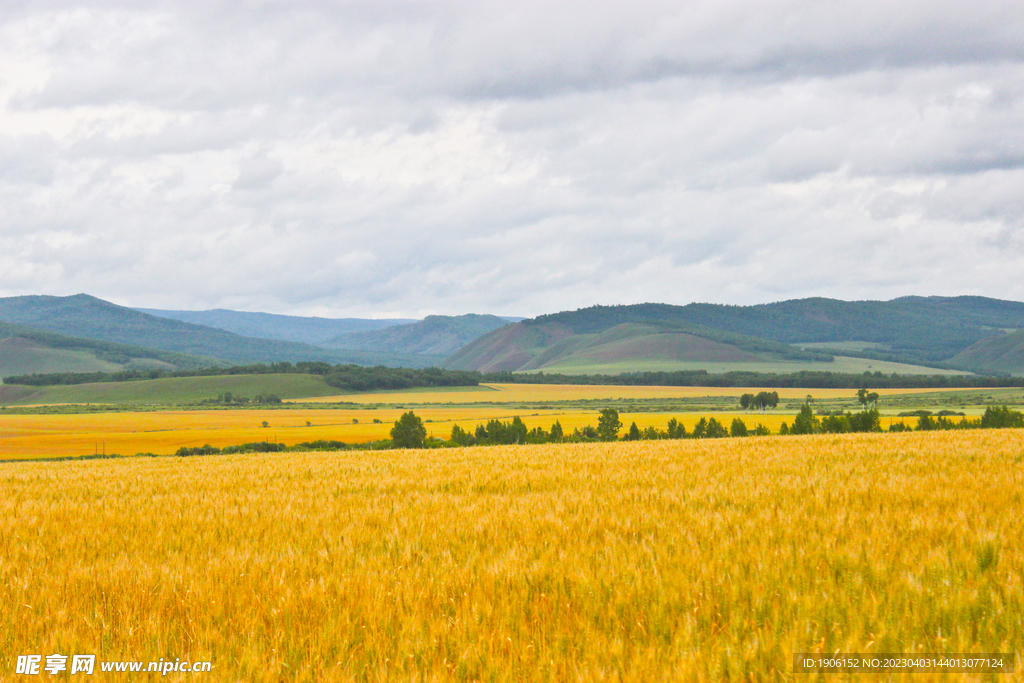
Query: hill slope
<point x="86" y="316"/>
<point x="533" y="345"/>
<point x="914" y="330"/>
<point x="1004" y="353"/>
<point x="435" y="334"/>
<point x="170" y="390"/>
<point x="24" y="350"/>
<point x="308" y="330"/>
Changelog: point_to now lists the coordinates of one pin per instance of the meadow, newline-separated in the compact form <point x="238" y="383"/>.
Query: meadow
<point x="168" y="390"/>
<point x="646" y="561"/>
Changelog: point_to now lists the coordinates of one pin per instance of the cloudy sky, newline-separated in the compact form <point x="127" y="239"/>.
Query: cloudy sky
<point x="401" y="158"/>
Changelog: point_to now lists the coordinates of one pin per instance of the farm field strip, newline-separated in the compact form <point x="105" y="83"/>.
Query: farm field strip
<point x="163" y="432"/>
<point x="648" y="561"/>
<point x="513" y="393"/>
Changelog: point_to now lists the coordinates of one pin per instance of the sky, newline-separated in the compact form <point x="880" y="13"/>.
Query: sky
<point x="404" y="158"/>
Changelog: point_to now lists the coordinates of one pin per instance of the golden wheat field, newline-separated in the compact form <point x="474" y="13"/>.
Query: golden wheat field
<point x="702" y="560"/>
<point x="163" y="432"/>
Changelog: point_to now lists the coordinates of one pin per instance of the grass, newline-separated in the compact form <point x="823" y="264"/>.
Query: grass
<point x="21" y="356"/>
<point x="170" y="390"/>
<point x="534" y="393"/>
<point x="843" y="364"/>
<point x="690" y="561"/>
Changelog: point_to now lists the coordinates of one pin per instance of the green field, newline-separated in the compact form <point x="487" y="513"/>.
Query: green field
<point x="170" y="390"/>
<point x="22" y="357"/>
<point x="840" y="364"/>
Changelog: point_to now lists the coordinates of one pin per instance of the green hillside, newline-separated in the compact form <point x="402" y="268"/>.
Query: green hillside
<point x="904" y="333"/>
<point x="435" y="334"/>
<point x="19" y="355"/>
<point x="1004" y="353"/>
<point x="839" y="364"/>
<point x="534" y="345"/>
<point x="308" y="330"/>
<point x="85" y="316"/>
<point x="24" y="350"/>
<point x="170" y="390"/>
<point x="908" y="329"/>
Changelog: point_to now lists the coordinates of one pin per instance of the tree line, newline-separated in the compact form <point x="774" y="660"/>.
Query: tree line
<point x="409" y="431"/>
<point x="804" y="379"/>
<point x="345" y="377"/>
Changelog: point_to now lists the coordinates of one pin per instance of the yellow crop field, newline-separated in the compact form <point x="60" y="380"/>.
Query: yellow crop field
<point x="511" y="393"/>
<point x="701" y="560"/>
<point x="164" y="432"/>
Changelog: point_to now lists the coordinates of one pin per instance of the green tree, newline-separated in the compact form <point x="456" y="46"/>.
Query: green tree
<point x="634" y="433"/>
<point x="1001" y="417"/>
<point x="715" y="429"/>
<point x="866" y="421"/>
<point x="608" y="424"/>
<point x="517" y="430"/>
<point x="409" y="431"/>
<point x="461" y="436"/>
<point x="676" y="430"/>
<point x="738" y="428"/>
<point x="556" y="432"/>
<point x="805" y="422"/>
<point x="862" y="396"/>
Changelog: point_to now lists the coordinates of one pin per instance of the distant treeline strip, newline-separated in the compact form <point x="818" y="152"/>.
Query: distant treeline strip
<point x="360" y="378"/>
<point x="344" y="377"/>
<point x="805" y="379"/>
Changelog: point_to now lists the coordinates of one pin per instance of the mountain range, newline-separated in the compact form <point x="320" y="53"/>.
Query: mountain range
<point x="908" y="335"/>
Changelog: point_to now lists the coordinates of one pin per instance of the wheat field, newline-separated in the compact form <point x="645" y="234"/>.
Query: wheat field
<point x="165" y="431"/>
<point x="647" y="561"/>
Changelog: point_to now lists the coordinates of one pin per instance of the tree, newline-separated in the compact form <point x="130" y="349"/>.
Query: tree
<point x="805" y="422"/>
<point x="634" y="433"/>
<point x="676" y="430"/>
<point x="866" y="421"/>
<point x="746" y="400"/>
<point x="608" y="424"/>
<point x="409" y="431"/>
<point x="1001" y="417"/>
<point x="517" y="430"/>
<point x="461" y="436"/>
<point x="738" y="428"/>
<point x="715" y="429"/>
<point x="556" y="432"/>
<point x="862" y="396"/>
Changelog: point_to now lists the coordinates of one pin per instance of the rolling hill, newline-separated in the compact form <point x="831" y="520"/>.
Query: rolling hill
<point x="170" y="390"/>
<point x="307" y="330"/>
<point x="435" y="334"/>
<point x="908" y="329"/>
<point x="1003" y="353"/>
<point x="86" y="316"/>
<point x="530" y="345"/>
<point x="24" y="350"/>
<point x="910" y="332"/>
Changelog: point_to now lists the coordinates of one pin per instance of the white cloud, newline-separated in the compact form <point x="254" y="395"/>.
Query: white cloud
<point x="411" y="157"/>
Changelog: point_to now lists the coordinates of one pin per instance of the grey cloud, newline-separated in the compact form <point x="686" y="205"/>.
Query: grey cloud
<point x="362" y="158"/>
